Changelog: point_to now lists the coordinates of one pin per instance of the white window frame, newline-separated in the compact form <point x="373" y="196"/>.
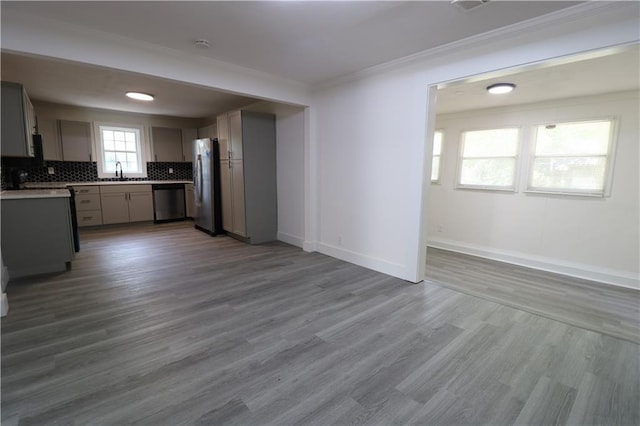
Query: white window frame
<point x="142" y="147"/>
<point x="439" y="156"/>
<point x="516" y="157"/>
<point x="609" y="165"/>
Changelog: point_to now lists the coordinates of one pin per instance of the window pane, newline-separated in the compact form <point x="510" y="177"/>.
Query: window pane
<point x="132" y="157"/>
<point x="435" y="168"/>
<point x="488" y="172"/>
<point x="132" y="167"/>
<point x="490" y="143"/>
<point x="121" y="144"/>
<point x="437" y="143"/>
<point x="121" y="156"/>
<point x="577" y="173"/>
<point x="589" y="138"/>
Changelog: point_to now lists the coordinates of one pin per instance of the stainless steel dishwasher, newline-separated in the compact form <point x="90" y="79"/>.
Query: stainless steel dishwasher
<point x="168" y="202"/>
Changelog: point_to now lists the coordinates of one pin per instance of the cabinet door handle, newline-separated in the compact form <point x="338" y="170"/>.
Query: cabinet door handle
<point x="230" y="154"/>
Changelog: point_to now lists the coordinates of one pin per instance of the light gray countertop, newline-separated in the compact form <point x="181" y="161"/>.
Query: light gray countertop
<point x="34" y="193"/>
<point x="49" y="185"/>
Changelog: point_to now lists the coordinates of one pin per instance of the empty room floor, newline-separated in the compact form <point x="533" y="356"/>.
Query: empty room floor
<point x="161" y="324"/>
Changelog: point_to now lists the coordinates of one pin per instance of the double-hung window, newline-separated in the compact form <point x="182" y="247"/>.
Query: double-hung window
<point x="437" y="155"/>
<point x="571" y="158"/>
<point x="123" y="145"/>
<point x="488" y="159"/>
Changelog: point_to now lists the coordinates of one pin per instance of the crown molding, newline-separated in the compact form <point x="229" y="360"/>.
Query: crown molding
<point x="575" y="13"/>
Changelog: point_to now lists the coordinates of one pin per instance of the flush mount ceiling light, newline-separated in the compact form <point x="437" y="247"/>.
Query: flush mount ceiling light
<point x="140" y="96"/>
<point x="500" y="88"/>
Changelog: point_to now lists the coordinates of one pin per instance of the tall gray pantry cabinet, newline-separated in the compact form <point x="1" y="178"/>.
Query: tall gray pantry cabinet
<point x="248" y="175"/>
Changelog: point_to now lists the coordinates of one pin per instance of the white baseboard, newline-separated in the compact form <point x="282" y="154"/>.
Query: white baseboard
<point x="578" y="270"/>
<point x="294" y="240"/>
<point x="379" y="265"/>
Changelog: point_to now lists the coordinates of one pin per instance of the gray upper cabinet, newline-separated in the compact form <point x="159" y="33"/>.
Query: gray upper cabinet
<point x="167" y="144"/>
<point x="209" y="131"/>
<point x="51" y="149"/>
<point x="75" y="138"/>
<point x="188" y="136"/>
<point x="18" y="121"/>
<point x="248" y="181"/>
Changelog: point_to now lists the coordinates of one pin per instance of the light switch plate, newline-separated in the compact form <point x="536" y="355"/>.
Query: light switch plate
<point x="170" y="170"/>
<point x="51" y="171"/>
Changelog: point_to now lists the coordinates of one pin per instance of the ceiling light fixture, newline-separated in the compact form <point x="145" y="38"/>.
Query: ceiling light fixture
<point x="139" y="96"/>
<point x="500" y="88"/>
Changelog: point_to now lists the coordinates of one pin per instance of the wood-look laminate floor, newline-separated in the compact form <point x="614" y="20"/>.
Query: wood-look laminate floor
<point x="595" y="306"/>
<point x="163" y="325"/>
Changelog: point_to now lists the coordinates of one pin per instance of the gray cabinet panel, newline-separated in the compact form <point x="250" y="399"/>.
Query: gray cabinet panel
<point x="167" y="144"/>
<point x="18" y="121"/>
<point x="36" y="235"/>
<point x="248" y="178"/>
<point x="188" y="136"/>
<point x="75" y="138"/>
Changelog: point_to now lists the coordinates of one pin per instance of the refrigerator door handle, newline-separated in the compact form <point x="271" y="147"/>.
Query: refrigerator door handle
<point x="200" y="178"/>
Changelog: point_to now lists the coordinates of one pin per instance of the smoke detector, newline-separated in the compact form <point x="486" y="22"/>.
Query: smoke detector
<point x="468" y="4"/>
<point x="202" y="43"/>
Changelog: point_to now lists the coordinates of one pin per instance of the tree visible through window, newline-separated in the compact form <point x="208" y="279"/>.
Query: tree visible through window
<point x="571" y="157"/>
<point x="488" y="159"/>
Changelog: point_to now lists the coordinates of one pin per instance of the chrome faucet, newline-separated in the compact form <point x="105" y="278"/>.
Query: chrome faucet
<point x="119" y="164"/>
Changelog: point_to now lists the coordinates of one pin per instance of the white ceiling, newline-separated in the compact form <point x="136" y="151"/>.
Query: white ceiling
<point x="311" y="42"/>
<point x="306" y="41"/>
<point x="84" y="85"/>
<point x="615" y="71"/>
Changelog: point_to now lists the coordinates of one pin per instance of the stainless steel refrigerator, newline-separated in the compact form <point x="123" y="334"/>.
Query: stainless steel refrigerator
<point x="206" y="186"/>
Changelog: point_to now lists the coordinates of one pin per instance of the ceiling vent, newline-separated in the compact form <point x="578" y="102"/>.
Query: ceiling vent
<point x="468" y="4"/>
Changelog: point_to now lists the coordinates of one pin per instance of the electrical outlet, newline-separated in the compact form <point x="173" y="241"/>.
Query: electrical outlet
<point x="170" y="170"/>
<point x="51" y="171"/>
<point x="439" y="228"/>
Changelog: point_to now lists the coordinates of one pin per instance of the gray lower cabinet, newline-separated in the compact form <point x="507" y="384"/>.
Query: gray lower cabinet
<point x="248" y="175"/>
<point x="88" y="206"/>
<point x="126" y="203"/>
<point x="189" y="199"/>
<point x="37" y="235"/>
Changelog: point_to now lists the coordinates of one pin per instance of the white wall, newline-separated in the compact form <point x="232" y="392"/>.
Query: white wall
<point x="370" y="135"/>
<point x="594" y="238"/>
